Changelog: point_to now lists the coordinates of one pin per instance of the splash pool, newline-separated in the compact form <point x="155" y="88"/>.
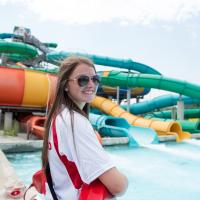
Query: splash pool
<point x="155" y="172"/>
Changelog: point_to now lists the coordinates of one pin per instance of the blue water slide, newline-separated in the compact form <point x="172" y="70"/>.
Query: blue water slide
<point x="159" y="102"/>
<point x="6" y="35"/>
<point x="57" y="57"/>
<point x="109" y="126"/>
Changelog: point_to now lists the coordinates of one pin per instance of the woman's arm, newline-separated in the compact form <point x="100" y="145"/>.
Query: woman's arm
<point x="114" y="181"/>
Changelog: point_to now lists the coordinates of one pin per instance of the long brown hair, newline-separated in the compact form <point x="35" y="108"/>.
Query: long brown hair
<point x="62" y="98"/>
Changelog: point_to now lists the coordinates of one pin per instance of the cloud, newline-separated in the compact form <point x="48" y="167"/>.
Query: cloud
<point x="126" y="11"/>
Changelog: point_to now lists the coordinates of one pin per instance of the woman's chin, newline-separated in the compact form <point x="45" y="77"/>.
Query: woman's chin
<point x="89" y="100"/>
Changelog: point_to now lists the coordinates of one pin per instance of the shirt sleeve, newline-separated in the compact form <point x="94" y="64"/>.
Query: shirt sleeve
<point x="85" y="150"/>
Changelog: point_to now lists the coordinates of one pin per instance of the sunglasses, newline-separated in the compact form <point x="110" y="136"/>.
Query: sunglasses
<point x="83" y="80"/>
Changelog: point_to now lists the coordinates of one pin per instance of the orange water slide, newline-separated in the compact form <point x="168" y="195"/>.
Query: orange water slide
<point x="26" y="88"/>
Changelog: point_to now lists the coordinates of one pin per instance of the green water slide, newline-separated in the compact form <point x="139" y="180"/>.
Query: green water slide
<point x="109" y="126"/>
<point x="116" y="78"/>
<point x="188" y="113"/>
<point x="190" y="126"/>
<point x="18" y="48"/>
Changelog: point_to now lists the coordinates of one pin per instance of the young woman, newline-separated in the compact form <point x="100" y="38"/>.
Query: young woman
<point x="71" y="149"/>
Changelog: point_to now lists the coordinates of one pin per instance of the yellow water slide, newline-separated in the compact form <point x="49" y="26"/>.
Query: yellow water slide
<point x="162" y="128"/>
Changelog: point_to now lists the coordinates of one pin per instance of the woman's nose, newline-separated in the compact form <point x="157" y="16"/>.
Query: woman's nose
<point x="91" y="83"/>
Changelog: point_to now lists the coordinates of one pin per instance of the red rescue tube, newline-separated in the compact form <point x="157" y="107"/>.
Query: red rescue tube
<point x="95" y="191"/>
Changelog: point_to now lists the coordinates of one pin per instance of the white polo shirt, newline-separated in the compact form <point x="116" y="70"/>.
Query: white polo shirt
<point x="86" y="158"/>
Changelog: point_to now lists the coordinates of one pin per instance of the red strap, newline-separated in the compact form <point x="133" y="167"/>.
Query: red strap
<point x="69" y="165"/>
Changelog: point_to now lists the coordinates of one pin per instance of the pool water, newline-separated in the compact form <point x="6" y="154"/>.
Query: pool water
<point x="169" y="171"/>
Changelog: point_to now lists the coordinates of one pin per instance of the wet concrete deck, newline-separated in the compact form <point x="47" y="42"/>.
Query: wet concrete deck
<point x="11" y="144"/>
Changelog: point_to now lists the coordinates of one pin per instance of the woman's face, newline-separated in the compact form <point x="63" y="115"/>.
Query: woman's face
<point x="79" y="88"/>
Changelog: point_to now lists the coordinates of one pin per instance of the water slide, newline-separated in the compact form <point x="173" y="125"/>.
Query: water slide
<point x="116" y="78"/>
<point x="190" y="126"/>
<point x="106" y="92"/>
<point x="188" y="113"/>
<point x="11" y="35"/>
<point x="109" y="126"/>
<point x="159" y="102"/>
<point x="6" y="35"/>
<point x="34" y="125"/>
<point x="22" y="50"/>
<point x="25" y="88"/>
<point x="57" y="57"/>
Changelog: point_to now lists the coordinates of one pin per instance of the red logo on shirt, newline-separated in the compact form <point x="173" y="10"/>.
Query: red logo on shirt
<point x="49" y="145"/>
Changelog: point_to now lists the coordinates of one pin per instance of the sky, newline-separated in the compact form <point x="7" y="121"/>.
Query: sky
<point x="164" y="35"/>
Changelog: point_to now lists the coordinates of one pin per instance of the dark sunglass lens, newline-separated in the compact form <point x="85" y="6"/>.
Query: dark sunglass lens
<point x="83" y="81"/>
<point x="96" y="79"/>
